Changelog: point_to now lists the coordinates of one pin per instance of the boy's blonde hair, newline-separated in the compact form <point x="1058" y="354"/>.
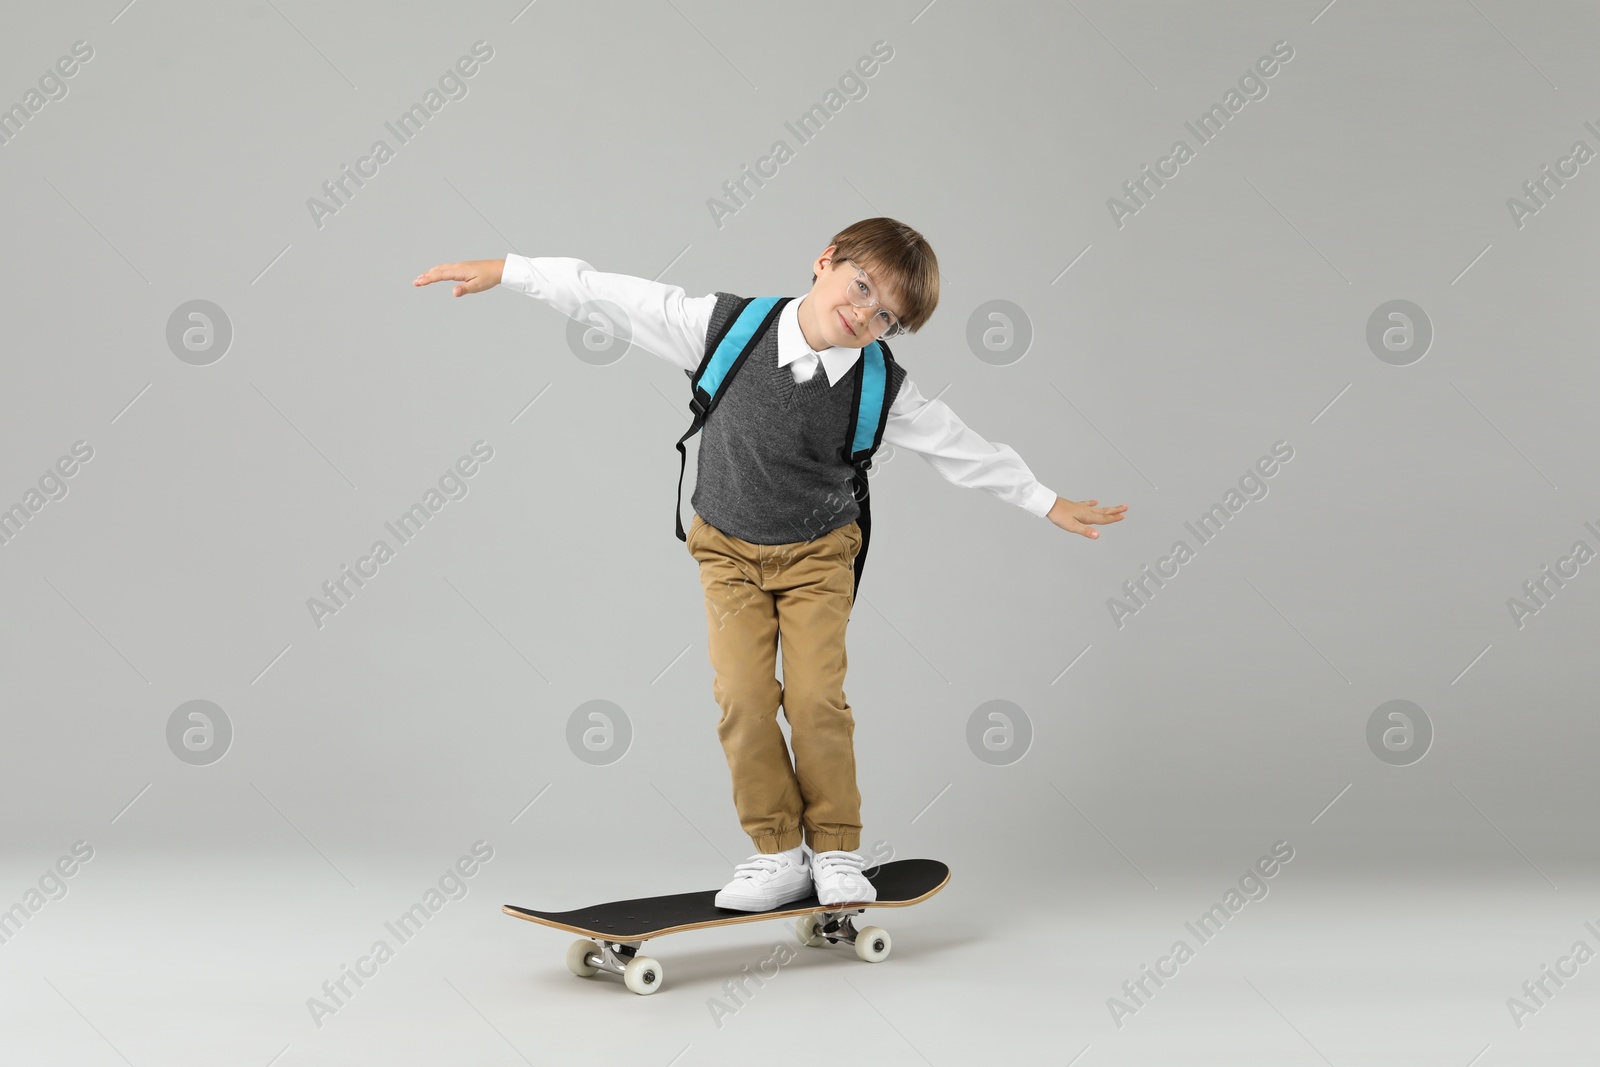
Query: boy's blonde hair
<point x="894" y="253"/>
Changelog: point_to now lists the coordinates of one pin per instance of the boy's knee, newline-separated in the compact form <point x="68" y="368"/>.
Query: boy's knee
<point x="811" y="701"/>
<point x="749" y="694"/>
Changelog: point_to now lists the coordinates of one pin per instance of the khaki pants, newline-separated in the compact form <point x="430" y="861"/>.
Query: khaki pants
<point x="804" y="592"/>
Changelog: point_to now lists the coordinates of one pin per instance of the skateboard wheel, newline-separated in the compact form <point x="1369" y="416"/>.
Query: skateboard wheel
<point x="806" y="931"/>
<point x="578" y="957"/>
<point x="872" y="944"/>
<point x="642" y="975"/>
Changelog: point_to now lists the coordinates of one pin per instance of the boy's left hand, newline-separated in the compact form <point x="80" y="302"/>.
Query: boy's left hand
<point x="1073" y="515"/>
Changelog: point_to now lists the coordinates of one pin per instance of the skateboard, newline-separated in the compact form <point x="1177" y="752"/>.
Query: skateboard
<point x="614" y="932"/>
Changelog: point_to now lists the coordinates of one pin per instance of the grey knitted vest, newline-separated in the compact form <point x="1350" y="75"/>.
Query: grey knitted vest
<point x="769" y="469"/>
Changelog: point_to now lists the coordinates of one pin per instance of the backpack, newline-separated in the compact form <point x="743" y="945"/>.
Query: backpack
<point x="869" y="407"/>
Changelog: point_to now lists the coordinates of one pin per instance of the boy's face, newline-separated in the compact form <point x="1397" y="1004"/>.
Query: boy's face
<point x="828" y="305"/>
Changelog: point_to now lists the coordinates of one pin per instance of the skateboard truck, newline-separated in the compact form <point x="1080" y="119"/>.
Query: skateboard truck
<point x="835" y="926"/>
<point x="639" y="973"/>
<point x="838" y="927"/>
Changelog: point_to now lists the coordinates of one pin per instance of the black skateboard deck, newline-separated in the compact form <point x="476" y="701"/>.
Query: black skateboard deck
<point x="618" y="927"/>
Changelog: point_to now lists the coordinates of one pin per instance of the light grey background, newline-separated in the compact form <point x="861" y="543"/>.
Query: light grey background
<point x="1168" y="355"/>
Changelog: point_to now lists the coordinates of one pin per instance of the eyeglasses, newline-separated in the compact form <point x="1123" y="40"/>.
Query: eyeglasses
<point x="863" y="294"/>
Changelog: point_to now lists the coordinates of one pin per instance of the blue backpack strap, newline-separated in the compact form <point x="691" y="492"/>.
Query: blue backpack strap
<point x="724" y="356"/>
<point x="869" y="413"/>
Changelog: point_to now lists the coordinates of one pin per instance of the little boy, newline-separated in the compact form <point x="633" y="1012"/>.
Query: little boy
<point x="769" y="464"/>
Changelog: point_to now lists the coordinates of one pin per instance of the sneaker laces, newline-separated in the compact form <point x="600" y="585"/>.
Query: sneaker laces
<point x="829" y="864"/>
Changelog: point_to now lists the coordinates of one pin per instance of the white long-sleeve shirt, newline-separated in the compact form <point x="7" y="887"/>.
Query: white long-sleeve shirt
<point x="665" y="321"/>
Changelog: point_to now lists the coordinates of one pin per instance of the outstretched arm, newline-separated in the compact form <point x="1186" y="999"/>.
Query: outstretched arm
<point x="963" y="457"/>
<point x="661" y="319"/>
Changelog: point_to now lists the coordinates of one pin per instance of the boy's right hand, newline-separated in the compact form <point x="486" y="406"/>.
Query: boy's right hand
<point x="477" y="274"/>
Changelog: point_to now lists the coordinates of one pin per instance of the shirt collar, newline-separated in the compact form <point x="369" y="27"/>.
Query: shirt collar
<point x="836" y="360"/>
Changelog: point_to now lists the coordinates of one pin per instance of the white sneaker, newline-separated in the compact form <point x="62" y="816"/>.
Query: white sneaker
<point x="837" y="877"/>
<point x="767" y="880"/>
